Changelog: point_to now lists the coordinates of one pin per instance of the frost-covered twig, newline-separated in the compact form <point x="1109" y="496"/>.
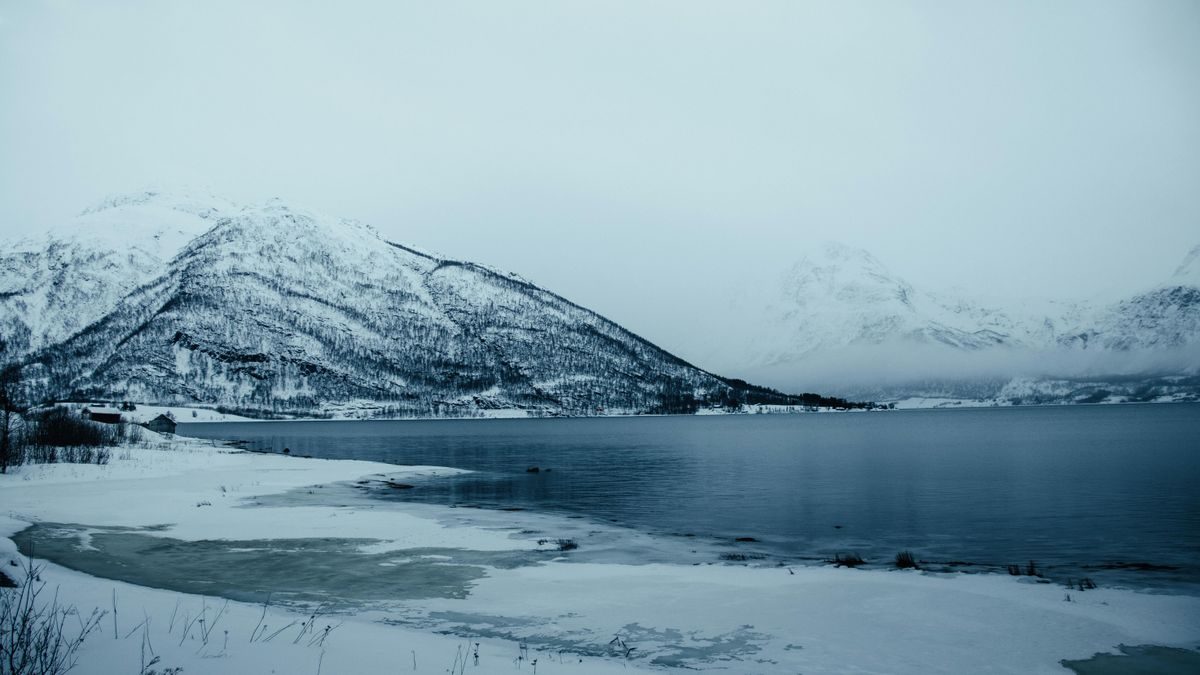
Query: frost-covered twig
<point x="171" y="624"/>
<point x="272" y="635"/>
<point x="261" y="617"/>
<point x="206" y="630"/>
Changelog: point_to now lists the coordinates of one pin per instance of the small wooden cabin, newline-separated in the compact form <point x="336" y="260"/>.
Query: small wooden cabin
<point x="103" y="414"/>
<point x="161" y="424"/>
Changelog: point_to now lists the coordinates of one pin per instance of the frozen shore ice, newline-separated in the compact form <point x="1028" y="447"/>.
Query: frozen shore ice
<point x="573" y="617"/>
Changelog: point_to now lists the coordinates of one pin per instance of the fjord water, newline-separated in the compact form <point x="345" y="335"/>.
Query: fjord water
<point x="1090" y="491"/>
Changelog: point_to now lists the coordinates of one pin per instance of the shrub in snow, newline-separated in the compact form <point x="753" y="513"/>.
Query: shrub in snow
<point x="58" y="435"/>
<point x="38" y="636"/>
<point x="848" y="560"/>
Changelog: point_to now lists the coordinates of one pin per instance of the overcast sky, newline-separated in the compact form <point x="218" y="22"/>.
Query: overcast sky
<point x="635" y="156"/>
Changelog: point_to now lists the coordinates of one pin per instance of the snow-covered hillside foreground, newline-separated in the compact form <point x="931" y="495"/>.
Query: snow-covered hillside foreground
<point x="531" y="603"/>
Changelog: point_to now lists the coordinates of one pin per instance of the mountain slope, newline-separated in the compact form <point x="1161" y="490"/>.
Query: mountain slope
<point x="273" y="309"/>
<point x="844" y="296"/>
<point x="53" y="285"/>
<point x="837" y="298"/>
<point x="1165" y="317"/>
<point x="840" y="321"/>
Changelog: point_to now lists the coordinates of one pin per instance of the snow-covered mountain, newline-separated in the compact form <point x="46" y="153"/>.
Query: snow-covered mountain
<point x="55" y="284"/>
<point x="1164" y="317"/>
<point x="839" y="319"/>
<point x="841" y="296"/>
<point x="173" y="298"/>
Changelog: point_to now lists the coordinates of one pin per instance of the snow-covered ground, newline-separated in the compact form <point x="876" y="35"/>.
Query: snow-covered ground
<point x="919" y="402"/>
<point x="372" y="411"/>
<point x="728" y="617"/>
<point x="144" y="413"/>
<point x="766" y="409"/>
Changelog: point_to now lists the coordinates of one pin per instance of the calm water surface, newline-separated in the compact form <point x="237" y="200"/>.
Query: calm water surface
<point x="1079" y="489"/>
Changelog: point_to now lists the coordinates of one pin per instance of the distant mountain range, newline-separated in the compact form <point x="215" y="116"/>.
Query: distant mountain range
<point x="838" y="318"/>
<point x="189" y="298"/>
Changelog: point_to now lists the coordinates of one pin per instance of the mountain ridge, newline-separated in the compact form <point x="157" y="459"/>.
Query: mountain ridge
<point x="272" y="308"/>
<point x="840" y="320"/>
<point x="188" y="297"/>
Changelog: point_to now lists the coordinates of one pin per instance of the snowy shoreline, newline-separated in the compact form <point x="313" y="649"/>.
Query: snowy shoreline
<point x="210" y="415"/>
<point x="730" y="617"/>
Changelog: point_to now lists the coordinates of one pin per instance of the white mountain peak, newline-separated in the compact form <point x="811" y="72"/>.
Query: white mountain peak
<point x="156" y="221"/>
<point x="836" y="256"/>
<point x="187" y="199"/>
<point x="845" y="274"/>
<point x="1188" y="273"/>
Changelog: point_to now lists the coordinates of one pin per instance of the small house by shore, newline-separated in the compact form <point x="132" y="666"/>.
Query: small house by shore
<point x="161" y="424"/>
<point x="97" y="413"/>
